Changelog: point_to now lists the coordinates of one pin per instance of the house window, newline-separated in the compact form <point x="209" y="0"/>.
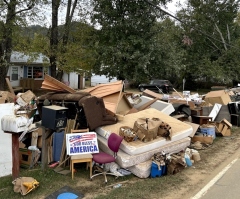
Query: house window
<point x="35" y="72"/>
<point x="14" y="75"/>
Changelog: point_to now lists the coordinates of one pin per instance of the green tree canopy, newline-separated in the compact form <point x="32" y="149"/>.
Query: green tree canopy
<point x="125" y="38"/>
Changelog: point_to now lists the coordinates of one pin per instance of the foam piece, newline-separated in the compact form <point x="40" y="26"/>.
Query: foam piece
<point x="125" y="160"/>
<point x="180" y="130"/>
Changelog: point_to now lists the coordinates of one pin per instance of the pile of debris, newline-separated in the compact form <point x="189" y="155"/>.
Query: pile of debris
<point x="175" y="125"/>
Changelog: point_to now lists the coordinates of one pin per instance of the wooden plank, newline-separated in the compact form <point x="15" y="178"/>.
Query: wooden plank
<point x="152" y="94"/>
<point x="45" y="134"/>
<point x="58" y="83"/>
<point x="9" y="86"/>
<point x="15" y="156"/>
<point x="70" y="125"/>
<point x="50" y="86"/>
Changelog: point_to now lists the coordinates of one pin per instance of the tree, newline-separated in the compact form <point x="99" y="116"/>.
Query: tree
<point x="168" y="54"/>
<point x="125" y="37"/>
<point x="209" y="26"/>
<point x="13" y="14"/>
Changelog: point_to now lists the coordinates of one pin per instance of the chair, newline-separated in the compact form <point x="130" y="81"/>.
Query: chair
<point x="82" y="157"/>
<point x="102" y="158"/>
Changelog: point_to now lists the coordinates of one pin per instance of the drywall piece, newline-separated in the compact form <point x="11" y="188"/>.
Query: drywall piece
<point x="214" y="112"/>
<point x="162" y="106"/>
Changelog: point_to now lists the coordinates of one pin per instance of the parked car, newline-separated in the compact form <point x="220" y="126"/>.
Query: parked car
<point x="158" y="86"/>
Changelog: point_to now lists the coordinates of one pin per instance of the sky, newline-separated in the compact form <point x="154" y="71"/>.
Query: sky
<point x="171" y="8"/>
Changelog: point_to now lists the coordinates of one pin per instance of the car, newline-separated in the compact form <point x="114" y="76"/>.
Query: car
<point x="158" y="86"/>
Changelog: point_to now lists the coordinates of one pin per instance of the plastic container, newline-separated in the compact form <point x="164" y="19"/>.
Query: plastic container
<point x="155" y="172"/>
<point x="209" y="130"/>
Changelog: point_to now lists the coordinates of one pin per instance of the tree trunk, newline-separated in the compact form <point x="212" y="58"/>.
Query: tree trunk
<point x="6" y="43"/>
<point x="54" y="38"/>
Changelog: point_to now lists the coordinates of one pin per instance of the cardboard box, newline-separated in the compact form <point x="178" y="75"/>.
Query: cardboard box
<point x="203" y="139"/>
<point x="2" y="101"/>
<point x="222" y="128"/>
<point x="25" y="98"/>
<point x="6" y="96"/>
<point x="220" y="97"/>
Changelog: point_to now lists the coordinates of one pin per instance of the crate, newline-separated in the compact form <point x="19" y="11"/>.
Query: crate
<point x="25" y="157"/>
<point x="155" y="172"/>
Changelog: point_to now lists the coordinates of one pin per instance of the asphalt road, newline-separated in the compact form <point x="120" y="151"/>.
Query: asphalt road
<point x="224" y="185"/>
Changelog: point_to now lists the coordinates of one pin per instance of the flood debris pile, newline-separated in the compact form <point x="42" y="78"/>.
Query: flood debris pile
<point x="162" y="133"/>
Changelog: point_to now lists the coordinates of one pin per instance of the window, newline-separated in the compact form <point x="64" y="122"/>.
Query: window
<point x="14" y="75"/>
<point x="35" y="72"/>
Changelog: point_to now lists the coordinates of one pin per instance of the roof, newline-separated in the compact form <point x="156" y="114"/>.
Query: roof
<point x="18" y="57"/>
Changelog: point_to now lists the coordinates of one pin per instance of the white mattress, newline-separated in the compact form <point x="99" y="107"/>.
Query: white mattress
<point x="180" y="130"/>
<point x="125" y="160"/>
<point x="142" y="170"/>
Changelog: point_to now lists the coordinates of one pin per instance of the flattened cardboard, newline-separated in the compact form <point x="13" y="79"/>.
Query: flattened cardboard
<point x="194" y="126"/>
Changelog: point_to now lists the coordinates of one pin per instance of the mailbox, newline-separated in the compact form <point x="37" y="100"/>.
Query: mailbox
<point x="54" y="117"/>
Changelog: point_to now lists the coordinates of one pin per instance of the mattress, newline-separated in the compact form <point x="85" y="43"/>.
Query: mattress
<point x="142" y="170"/>
<point x="125" y="160"/>
<point x="180" y="130"/>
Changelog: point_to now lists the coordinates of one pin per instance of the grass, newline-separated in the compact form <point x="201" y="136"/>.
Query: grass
<point x="51" y="181"/>
<point x="134" y="188"/>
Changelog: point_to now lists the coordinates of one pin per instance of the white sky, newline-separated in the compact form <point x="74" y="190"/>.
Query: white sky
<point x="171" y="8"/>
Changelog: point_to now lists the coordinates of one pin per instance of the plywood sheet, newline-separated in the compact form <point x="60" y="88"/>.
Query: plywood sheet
<point x="103" y="90"/>
<point x="53" y="84"/>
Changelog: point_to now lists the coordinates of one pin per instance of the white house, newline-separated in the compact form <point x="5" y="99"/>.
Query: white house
<point x="22" y="67"/>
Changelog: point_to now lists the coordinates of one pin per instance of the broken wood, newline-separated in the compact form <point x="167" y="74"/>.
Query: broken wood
<point x="51" y="83"/>
<point x="178" y="93"/>
<point x="9" y="86"/>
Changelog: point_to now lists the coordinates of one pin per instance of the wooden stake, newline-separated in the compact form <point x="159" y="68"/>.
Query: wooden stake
<point x="178" y="93"/>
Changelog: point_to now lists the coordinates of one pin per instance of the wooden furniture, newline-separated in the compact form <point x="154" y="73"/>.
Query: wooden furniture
<point x="82" y="157"/>
<point x="79" y="159"/>
<point x="201" y="119"/>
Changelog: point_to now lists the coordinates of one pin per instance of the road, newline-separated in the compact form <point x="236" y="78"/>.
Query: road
<point x="225" y="184"/>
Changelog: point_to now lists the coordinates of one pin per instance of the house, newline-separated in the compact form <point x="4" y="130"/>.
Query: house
<point x="22" y="68"/>
<point x="28" y="72"/>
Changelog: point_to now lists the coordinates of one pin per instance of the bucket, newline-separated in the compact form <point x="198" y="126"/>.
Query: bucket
<point x="208" y="130"/>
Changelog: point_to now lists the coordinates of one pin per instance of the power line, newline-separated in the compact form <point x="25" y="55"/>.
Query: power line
<point x="176" y="18"/>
